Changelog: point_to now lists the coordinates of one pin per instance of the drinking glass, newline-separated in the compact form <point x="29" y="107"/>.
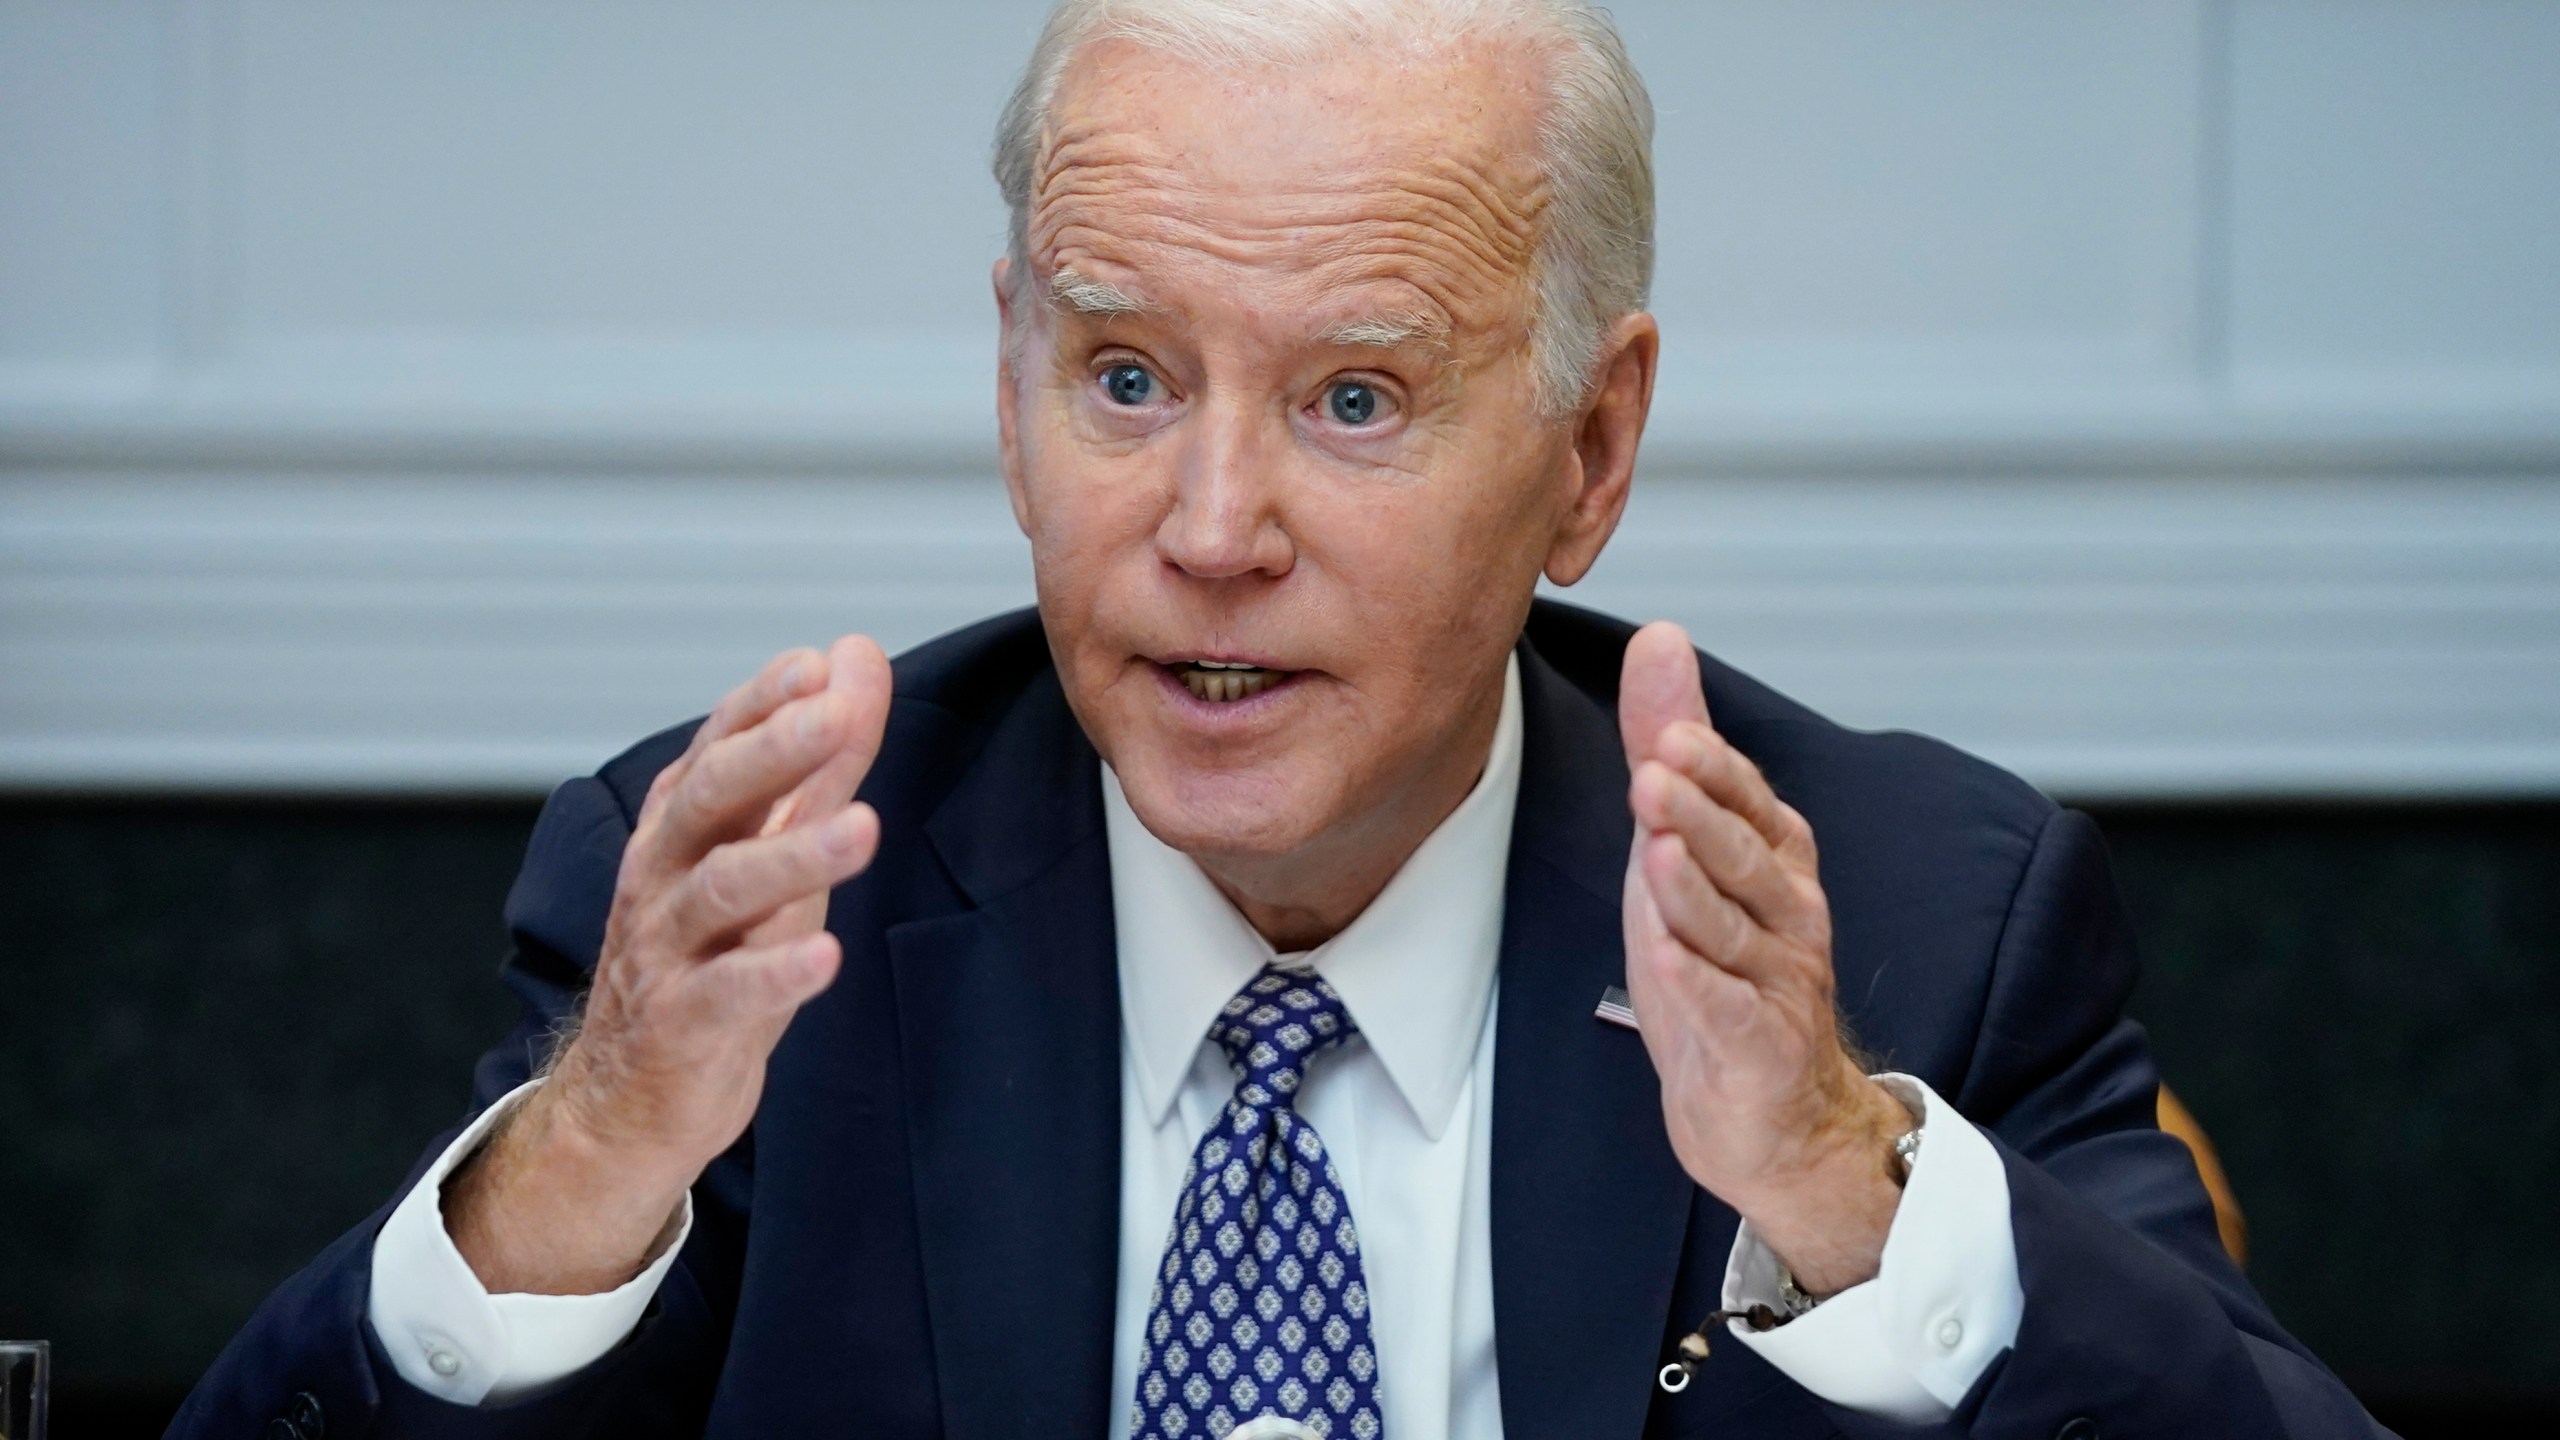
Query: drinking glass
<point x="24" y="1369"/>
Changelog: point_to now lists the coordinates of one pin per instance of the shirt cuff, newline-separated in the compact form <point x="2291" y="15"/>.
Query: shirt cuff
<point x="1909" y="1344"/>
<point x="448" y="1336"/>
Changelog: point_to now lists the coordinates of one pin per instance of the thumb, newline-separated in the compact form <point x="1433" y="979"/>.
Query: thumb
<point x="1658" y="685"/>
<point x="858" y="666"/>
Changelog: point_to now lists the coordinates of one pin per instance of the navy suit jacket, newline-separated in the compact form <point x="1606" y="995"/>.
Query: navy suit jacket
<point x="919" y="1235"/>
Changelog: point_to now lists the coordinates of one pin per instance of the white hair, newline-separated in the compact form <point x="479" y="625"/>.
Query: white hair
<point x="1593" y="263"/>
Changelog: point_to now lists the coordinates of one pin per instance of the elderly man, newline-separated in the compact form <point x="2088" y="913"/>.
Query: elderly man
<point x="1208" y="1020"/>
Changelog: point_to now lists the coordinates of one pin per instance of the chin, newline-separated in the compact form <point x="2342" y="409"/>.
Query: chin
<point x="1263" y="812"/>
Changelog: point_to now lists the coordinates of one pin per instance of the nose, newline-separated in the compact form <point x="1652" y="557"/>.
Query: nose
<point x="1226" y="520"/>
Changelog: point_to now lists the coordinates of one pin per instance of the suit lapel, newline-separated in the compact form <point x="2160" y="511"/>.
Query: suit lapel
<point x="1590" y="1207"/>
<point x="1008" y="1017"/>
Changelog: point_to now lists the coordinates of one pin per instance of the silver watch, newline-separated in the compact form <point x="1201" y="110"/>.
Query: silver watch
<point x="1906" y="1146"/>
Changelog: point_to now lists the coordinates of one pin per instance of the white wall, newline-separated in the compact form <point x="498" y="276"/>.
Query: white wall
<point x="2159" y="397"/>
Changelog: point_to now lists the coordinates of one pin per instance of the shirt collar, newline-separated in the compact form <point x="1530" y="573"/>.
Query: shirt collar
<point x="1415" y="969"/>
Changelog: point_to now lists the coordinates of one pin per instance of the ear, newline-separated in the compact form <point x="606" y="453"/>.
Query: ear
<point x="1009" y="344"/>
<point x="1606" y="431"/>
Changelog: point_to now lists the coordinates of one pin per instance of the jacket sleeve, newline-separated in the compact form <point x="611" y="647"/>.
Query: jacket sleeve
<point x="307" y="1355"/>
<point x="2136" y="1322"/>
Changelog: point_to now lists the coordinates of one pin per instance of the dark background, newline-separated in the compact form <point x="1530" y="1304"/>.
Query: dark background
<point x="226" y="1029"/>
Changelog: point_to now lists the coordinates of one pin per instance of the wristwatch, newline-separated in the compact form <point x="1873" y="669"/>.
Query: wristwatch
<point x="1906" y="1153"/>
<point x="1906" y="1146"/>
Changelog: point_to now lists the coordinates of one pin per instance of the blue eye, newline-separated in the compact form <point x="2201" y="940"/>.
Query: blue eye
<point x="1352" y="403"/>
<point x="1128" y="384"/>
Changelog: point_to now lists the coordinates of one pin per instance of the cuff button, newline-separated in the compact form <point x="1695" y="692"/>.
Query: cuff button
<point x="305" y="1415"/>
<point x="444" y="1362"/>
<point x="2079" y="1427"/>
<point x="1950" y="1334"/>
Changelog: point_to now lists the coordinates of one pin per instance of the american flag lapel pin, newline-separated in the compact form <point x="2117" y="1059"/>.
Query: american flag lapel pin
<point x="1614" y="1008"/>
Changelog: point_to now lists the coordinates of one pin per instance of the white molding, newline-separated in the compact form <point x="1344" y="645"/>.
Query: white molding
<point x="856" y="404"/>
<point x="408" y="632"/>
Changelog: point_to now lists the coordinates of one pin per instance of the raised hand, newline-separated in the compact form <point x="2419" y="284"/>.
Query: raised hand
<point x="1729" y="970"/>
<point x="716" y="938"/>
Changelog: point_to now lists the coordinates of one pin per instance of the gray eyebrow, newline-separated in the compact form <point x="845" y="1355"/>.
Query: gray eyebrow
<point x="1384" y="331"/>
<point x="1387" y="331"/>
<point x="1092" y="297"/>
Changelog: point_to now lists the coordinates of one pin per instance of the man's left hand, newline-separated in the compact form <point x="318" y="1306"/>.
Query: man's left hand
<point x="1729" y="971"/>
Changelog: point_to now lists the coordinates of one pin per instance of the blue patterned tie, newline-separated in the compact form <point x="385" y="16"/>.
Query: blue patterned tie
<point x="1260" y="1308"/>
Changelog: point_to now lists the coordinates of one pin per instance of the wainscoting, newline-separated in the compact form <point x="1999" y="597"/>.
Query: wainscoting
<point x="232" y="1026"/>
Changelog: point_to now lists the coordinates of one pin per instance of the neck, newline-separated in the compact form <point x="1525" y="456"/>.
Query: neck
<point x="1301" y="900"/>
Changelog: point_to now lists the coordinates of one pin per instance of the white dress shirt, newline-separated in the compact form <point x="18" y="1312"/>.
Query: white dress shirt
<point x="1405" y="1109"/>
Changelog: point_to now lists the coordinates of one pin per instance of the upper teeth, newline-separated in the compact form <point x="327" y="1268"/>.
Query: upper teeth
<point x="1218" y="682"/>
<point x="1226" y="664"/>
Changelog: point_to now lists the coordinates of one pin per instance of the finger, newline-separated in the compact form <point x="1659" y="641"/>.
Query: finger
<point x="766" y="981"/>
<point x="1702" y="918"/>
<point x="785" y="678"/>
<point x="731" y="787"/>
<point x="1665" y="977"/>
<point x="739" y="884"/>
<point x="1737" y="859"/>
<point x="1731" y="780"/>
<point x="1658" y="685"/>
<point x="858" y="670"/>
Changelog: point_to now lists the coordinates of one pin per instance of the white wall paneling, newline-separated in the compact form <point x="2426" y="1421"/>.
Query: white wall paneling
<point x="2163" y="399"/>
<point x="2106" y="636"/>
<point x="81" y="88"/>
<point x="2134" y="635"/>
<point x="376" y="631"/>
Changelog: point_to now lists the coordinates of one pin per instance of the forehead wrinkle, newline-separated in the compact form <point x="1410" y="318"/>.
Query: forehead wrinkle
<point x="1455" y="200"/>
<point x="1473" y="217"/>
<point x="1079" y="168"/>
<point x="1446" y="310"/>
<point x="1122" y="118"/>
<point x="1509" y="213"/>
<point x="1462" y="269"/>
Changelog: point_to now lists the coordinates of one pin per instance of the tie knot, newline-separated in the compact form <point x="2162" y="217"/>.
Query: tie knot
<point x="1278" y="1022"/>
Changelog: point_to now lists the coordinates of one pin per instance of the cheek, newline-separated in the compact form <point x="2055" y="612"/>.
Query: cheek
<point x="1408" y="606"/>
<point x="1436" y="547"/>
<point x="1440" y="577"/>
<point x="1092" y="523"/>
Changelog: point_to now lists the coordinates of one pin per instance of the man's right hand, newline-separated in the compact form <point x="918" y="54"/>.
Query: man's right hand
<point x="716" y="938"/>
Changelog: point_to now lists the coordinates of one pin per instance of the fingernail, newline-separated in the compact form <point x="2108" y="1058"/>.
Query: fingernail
<point x="840" y="832"/>
<point x="797" y="675"/>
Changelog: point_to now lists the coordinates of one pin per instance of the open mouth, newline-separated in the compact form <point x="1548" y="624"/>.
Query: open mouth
<point x="1223" y="682"/>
